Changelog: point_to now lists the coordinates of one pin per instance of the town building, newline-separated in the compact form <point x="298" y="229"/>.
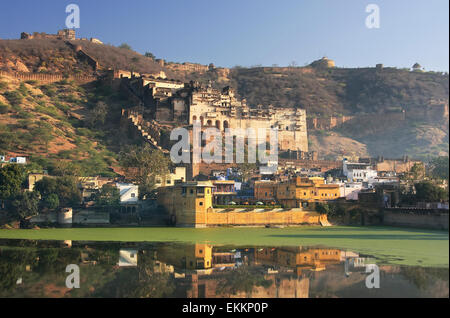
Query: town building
<point x="198" y="256"/>
<point x="187" y="202"/>
<point x="176" y="174"/>
<point x="224" y="191"/>
<point x="265" y="191"/>
<point x="299" y="258"/>
<point x="300" y="191"/>
<point x="34" y="177"/>
<point x="358" y="171"/>
<point x="129" y="197"/>
<point x="190" y="204"/>
<point x="128" y="258"/>
<point x="350" y="190"/>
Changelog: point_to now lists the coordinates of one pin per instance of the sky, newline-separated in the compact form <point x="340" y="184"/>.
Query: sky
<point x="252" y="32"/>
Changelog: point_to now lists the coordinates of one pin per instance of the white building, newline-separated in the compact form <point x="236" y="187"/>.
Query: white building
<point x="127" y="258"/>
<point x="129" y="193"/>
<point x="179" y="173"/>
<point x="358" y="172"/>
<point x="22" y="160"/>
<point x="350" y="190"/>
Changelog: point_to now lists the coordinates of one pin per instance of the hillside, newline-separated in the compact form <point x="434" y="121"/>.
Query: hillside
<point x="56" y="56"/>
<point x="63" y="126"/>
<point x="394" y="112"/>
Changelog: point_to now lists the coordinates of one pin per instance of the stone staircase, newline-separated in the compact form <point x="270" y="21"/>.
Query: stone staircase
<point x="149" y="130"/>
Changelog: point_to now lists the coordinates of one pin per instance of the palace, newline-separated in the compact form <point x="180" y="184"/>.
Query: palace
<point x="181" y="104"/>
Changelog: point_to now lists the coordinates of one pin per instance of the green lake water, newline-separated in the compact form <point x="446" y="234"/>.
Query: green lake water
<point x="389" y="245"/>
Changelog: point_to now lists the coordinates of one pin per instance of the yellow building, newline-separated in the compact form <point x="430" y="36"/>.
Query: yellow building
<point x="35" y="177"/>
<point x="199" y="256"/>
<point x="299" y="190"/>
<point x="265" y="191"/>
<point x="300" y="258"/>
<point x="176" y="174"/>
<point x="187" y="203"/>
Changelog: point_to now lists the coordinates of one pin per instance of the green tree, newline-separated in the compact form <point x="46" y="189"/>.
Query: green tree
<point x="51" y="201"/>
<point x="417" y="171"/>
<point x="150" y="55"/>
<point x="125" y="46"/>
<point x="12" y="176"/>
<point x="143" y="165"/>
<point x="323" y="208"/>
<point x="65" y="188"/>
<point x="66" y="168"/>
<point x="109" y="195"/>
<point x="439" y="168"/>
<point x="97" y="114"/>
<point x="429" y="192"/>
<point x="25" y="205"/>
<point x="43" y="133"/>
<point x="241" y="280"/>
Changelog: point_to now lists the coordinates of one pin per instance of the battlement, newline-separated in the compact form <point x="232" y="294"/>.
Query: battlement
<point x="65" y="34"/>
<point x="48" y="78"/>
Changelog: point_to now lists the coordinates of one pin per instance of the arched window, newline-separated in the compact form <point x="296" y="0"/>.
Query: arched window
<point x="194" y="119"/>
<point x="218" y="124"/>
<point x="209" y="122"/>
<point x="225" y="124"/>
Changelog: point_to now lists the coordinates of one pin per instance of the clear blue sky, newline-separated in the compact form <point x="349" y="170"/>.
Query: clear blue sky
<point x="250" y="32"/>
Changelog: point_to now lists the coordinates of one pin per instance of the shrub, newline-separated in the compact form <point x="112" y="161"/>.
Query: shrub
<point x="14" y="98"/>
<point x="62" y="107"/>
<point x="3" y="85"/>
<point x="49" y="110"/>
<point x="3" y="108"/>
<point x="23" y="89"/>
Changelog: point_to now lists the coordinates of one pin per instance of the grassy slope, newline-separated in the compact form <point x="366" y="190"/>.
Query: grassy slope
<point x="48" y="124"/>
<point x="389" y="245"/>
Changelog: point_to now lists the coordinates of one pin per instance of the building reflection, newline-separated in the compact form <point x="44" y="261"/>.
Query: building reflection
<point x="199" y="270"/>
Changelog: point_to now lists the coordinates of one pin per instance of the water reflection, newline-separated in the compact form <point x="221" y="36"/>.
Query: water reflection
<point x="38" y="269"/>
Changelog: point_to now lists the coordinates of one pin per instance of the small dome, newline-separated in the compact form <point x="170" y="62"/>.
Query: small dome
<point x="323" y="62"/>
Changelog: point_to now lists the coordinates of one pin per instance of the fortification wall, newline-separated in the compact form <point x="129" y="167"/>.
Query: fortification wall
<point x="327" y="122"/>
<point x="291" y="217"/>
<point x="47" y="78"/>
<point x="420" y="218"/>
<point x="395" y="165"/>
<point x="323" y="165"/>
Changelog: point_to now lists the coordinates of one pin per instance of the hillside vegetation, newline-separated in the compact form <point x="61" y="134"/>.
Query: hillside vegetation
<point x="63" y="127"/>
<point x="375" y="97"/>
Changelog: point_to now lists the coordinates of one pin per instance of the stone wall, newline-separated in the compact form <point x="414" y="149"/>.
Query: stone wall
<point x="323" y="165"/>
<point x="421" y="218"/>
<point x="47" y="78"/>
<point x="262" y="218"/>
<point x="327" y="123"/>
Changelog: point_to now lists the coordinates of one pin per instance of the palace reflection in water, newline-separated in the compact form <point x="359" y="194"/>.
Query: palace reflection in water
<point x="37" y="269"/>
